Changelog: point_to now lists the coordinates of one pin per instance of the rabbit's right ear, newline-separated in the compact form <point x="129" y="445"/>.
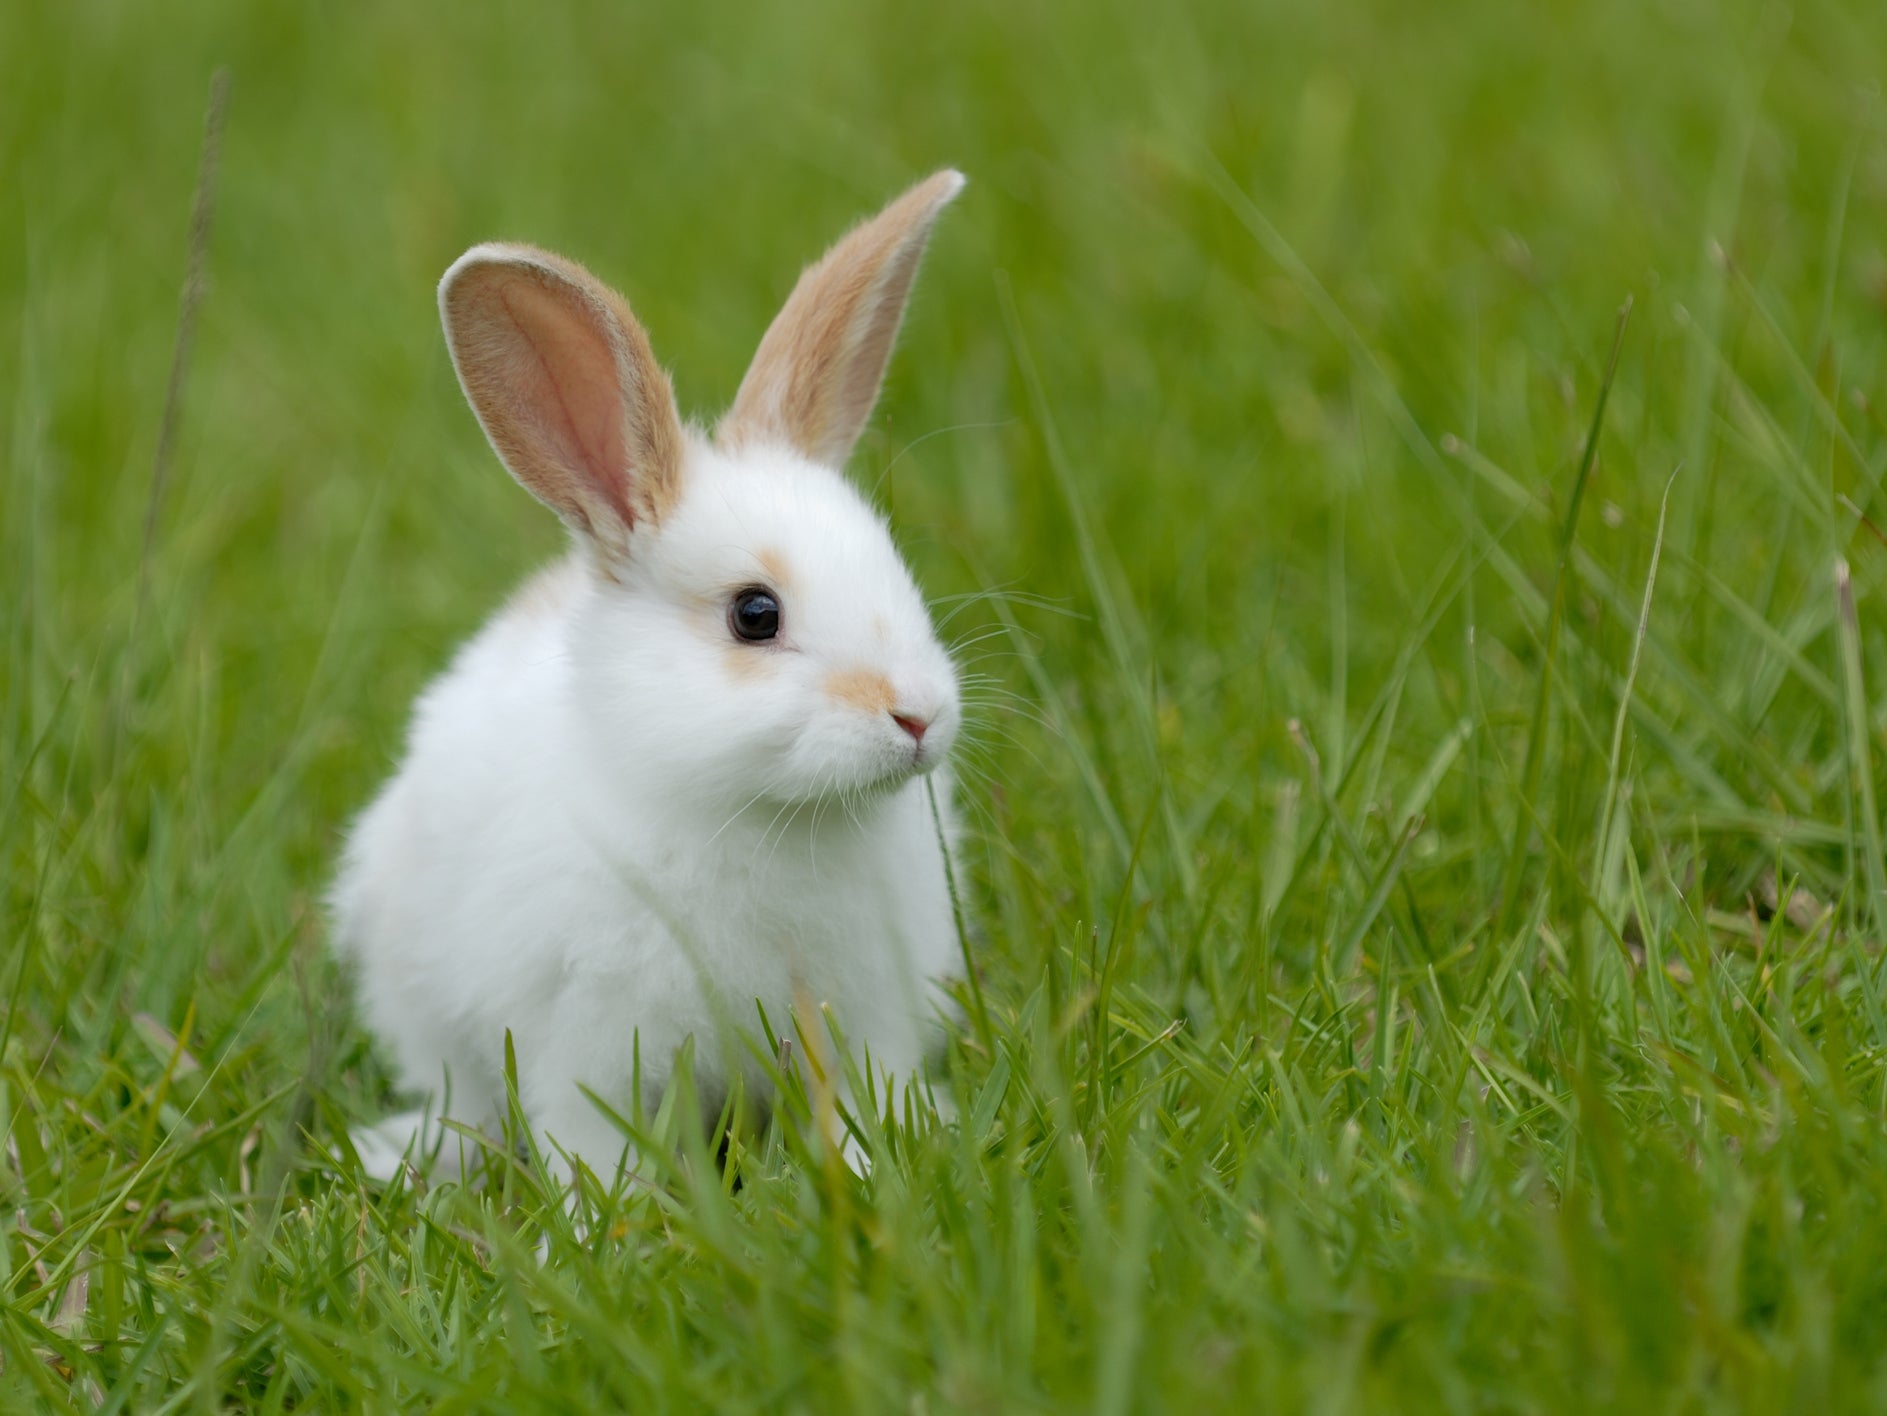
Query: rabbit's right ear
<point x="564" y="384"/>
<point x="816" y="375"/>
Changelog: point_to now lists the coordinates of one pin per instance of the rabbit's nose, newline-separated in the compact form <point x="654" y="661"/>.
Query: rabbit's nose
<point x="916" y="727"/>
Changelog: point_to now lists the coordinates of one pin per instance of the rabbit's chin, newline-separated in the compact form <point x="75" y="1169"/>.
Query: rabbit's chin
<point x="897" y="778"/>
<point x="870" y="784"/>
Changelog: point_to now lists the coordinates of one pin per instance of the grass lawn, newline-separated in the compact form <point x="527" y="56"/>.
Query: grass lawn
<point x="1426" y="872"/>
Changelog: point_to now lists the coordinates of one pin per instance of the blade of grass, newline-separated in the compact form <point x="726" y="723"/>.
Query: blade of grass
<point x="1535" y="761"/>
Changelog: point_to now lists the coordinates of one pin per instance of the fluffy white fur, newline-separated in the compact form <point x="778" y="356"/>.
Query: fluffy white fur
<point x="616" y="826"/>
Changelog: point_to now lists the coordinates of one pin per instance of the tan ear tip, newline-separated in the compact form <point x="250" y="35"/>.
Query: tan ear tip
<point x="946" y="183"/>
<point x="484" y="256"/>
<point x="478" y="258"/>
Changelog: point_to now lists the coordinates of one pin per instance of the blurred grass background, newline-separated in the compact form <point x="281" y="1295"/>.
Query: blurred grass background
<point x="1412" y="984"/>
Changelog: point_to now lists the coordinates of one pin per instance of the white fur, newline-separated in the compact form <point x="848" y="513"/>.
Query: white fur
<point x="615" y="827"/>
<point x="618" y="826"/>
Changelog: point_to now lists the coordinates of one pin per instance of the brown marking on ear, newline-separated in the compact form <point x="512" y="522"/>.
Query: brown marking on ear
<point x="862" y="689"/>
<point x="774" y="567"/>
<point x="566" y="387"/>
<point x="817" y="372"/>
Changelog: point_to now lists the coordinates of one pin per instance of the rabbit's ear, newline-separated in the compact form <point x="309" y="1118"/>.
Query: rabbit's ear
<point x="817" y="373"/>
<point x="565" y="386"/>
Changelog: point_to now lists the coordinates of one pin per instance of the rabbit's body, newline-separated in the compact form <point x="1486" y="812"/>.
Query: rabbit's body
<point x="669" y="911"/>
<point x="624" y="817"/>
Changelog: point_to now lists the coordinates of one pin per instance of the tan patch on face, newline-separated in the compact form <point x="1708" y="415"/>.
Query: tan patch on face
<point x="774" y="567"/>
<point x="747" y="662"/>
<point x="862" y="689"/>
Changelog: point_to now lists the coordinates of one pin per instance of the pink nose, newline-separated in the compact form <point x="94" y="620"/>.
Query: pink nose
<point x="916" y="727"/>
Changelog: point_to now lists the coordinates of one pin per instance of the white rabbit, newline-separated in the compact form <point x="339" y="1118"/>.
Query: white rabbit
<point x="682" y="771"/>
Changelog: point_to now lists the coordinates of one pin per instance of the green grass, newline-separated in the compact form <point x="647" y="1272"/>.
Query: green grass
<point x="1427" y="878"/>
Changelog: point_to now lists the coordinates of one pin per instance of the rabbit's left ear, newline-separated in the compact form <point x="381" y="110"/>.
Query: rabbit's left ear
<point x="565" y="386"/>
<point x="816" y="375"/>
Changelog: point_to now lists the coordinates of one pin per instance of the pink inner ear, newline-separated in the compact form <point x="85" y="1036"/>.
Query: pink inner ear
<point x="558" y="388"/>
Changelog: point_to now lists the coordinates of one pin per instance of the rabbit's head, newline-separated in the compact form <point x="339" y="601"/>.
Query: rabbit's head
<point x="744" y="630"/>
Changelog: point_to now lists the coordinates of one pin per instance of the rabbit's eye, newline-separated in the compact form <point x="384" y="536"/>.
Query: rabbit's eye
<point x="754" y="615"/>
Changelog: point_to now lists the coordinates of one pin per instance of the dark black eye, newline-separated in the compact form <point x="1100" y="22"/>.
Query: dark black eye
<point x="754" y="615"/>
